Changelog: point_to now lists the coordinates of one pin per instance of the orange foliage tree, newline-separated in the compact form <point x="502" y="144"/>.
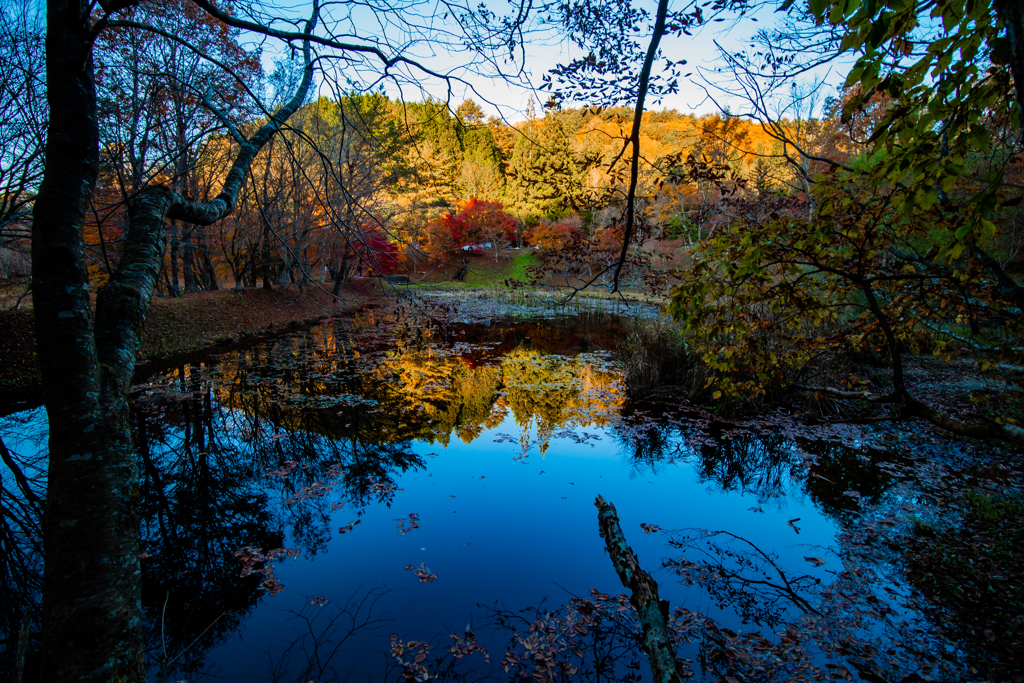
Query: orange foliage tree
<point x="554" y="235"/>
<point x="477" y="221"/>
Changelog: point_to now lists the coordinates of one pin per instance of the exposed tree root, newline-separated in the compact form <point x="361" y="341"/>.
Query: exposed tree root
<point x="914" y="408"/>
<point x="858" y="420"/>
<point x="839" y="393"/>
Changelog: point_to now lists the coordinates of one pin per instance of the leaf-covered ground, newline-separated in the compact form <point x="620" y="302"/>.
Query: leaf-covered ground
<point x="973" y="574"/>
<point x="186" y="324"/>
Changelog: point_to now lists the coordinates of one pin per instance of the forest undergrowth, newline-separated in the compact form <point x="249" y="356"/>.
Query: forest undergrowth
<point x="659" y="362"/>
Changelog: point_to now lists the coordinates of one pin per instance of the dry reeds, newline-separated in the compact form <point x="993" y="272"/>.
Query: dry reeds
<point x="658" y="361"/>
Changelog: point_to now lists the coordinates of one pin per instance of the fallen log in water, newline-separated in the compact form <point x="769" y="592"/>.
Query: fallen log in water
<point x="653" y="612"/>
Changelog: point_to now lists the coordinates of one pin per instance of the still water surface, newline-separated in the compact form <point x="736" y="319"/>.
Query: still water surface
<point x="428" y="476"/>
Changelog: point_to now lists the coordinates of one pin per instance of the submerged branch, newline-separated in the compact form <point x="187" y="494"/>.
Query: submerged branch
<point x="652" y="611"/>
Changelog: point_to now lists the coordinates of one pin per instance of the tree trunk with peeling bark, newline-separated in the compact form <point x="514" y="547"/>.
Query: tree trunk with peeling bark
<point x="92" y="612"/>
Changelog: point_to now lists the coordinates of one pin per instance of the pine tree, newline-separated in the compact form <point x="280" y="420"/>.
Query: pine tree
<point x="544" y="179"/>
<point x="480" y="174"/>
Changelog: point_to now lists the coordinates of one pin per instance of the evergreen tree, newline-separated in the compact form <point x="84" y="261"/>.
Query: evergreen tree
<point x="481" y="169"/>
<point x="544" y="180"/>
<point x="437" y="149"/>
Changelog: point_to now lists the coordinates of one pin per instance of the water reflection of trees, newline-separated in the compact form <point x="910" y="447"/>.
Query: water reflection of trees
<point x="313" y="650"/>
<point x="767" y="464"/>
<point x="206" y="450"/>
<point x="22" y="460"/>
<point x="427" y="392"/>
<point x="276" y="438"/>
<point x="200" y="503"/>
<point x="270" y="441"/>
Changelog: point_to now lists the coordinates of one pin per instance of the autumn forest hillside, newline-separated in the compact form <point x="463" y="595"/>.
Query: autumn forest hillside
<point x="365" y="184"/>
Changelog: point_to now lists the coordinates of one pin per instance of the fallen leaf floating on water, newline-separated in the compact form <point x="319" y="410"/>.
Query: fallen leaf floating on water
<point x="795" y="527"/>
<point x="318" y="601"/>
<point x="756" y="509"/>
<point x="650" y="528"/>
<point x="348" y="527"/>
<point x="816" y="561"/>
<point x="423" y="572"/>
<point x="285" y="470"/>
<point x="414" y="523"/>
<point x="255" y="561"/>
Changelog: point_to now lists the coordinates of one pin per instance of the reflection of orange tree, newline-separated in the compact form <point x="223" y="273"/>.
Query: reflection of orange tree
<point x="449" y="395"/>
<point x="549" y="388"/>
<point x="306" y="384"/>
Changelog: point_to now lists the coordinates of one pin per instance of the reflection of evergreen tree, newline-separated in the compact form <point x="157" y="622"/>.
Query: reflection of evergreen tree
<point x="541" y="387"/>
<point x="477" y="390"/>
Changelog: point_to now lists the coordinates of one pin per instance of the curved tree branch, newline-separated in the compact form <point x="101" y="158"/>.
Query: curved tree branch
<point x="634" y="138"/>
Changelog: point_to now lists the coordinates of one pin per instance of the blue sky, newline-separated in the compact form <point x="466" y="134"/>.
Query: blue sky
<point x="543" y="49"/>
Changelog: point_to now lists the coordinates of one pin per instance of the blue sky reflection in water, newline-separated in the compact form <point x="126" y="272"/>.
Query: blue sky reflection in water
<point x="375" y="448"/>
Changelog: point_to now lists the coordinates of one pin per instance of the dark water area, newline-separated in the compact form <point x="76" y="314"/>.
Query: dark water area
<point x="331" y="504"/>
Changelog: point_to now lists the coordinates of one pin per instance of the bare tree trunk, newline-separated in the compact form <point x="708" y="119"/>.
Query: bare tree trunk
<point x="208" y="271"/>
<point x="304" y="267"/>
<point x="175" y="288"/>
<point x="92" y="613"/>
<point x="1012" y="14"/>
<point x="91" y="599"/>
<point x="285" y="278"/>
<point x="187" y="261"/>
<point x="238" y="274"/>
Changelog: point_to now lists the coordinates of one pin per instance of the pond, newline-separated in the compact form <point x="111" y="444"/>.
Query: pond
<point x="394" y="495"/>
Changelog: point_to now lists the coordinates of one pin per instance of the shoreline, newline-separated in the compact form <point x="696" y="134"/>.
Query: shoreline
<point x="196" y="324"/>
